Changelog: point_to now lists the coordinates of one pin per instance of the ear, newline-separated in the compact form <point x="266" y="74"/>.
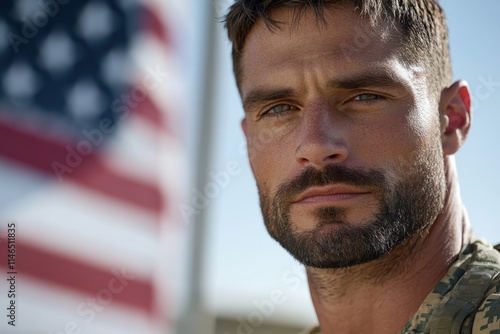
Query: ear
<point x="456" y="114"/>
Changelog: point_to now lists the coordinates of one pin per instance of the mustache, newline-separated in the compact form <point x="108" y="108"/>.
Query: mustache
<point x="372" y="179"/>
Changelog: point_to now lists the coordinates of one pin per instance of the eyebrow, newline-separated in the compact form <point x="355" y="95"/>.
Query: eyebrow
<point x="261" y="95"/>
<point x="365" y="80"/>
<point x="258" y="96"/>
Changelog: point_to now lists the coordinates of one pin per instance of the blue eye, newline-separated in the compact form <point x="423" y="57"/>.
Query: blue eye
<point x="367" y="97"/>
<point x="279" y="109"/>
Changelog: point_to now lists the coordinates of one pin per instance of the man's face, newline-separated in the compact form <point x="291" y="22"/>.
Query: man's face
<point x="343" y="138"/>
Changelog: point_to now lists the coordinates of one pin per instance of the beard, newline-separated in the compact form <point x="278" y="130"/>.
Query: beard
<point x="406" y="207"/>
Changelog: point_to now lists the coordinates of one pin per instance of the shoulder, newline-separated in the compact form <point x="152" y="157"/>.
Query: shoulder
<point x="472" y="301"/>
<point x="487" y="318"/>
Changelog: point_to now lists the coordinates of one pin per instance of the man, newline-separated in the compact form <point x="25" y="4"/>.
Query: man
<point x="357" y="179"/>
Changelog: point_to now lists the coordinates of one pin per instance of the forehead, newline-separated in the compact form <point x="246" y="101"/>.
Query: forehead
<point x="342" y="44"/>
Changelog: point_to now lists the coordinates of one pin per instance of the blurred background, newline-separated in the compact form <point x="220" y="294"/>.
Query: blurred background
<point x="123" y="170"/>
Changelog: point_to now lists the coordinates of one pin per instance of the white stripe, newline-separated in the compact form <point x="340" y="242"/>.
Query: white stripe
<point x="47" y="309"/>
<point x="17" y="182"/>
<point x="134" y="151"/>
<point x="88" y="226"/>
<point x="152" y="56"/>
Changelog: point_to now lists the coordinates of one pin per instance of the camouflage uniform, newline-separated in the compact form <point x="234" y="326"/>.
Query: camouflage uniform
<point x="466" y="300"/>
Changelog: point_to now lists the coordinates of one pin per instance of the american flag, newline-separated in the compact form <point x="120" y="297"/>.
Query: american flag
<point x="91" y="164"/>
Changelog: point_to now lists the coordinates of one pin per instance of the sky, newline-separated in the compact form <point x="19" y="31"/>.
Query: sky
<point x="245" y="266"/>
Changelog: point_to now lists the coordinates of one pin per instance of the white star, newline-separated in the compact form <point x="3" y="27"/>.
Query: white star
<point x="85" y="100"/>
<point x="57" y="52"/>
<point x="20" y="81"/>
<point x="115" y="67"/>
<point x="26" y="8"/>
<point x="96" y="22"/>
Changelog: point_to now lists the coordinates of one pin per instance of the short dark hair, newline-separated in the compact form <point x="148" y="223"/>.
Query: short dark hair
<point x="421" y="23"/>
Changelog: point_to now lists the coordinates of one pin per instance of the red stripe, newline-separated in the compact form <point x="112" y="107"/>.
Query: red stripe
<point x="41" y="153"/>
<point x="149" y="111"/>
<point x="95" y="282"/>
<point x="153" y="24"/>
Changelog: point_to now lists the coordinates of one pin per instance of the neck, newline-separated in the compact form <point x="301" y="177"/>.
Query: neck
<point x="382" y="295"/>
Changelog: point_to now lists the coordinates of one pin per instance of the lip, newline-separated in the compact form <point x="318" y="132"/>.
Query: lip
<point x="329" y="194"/>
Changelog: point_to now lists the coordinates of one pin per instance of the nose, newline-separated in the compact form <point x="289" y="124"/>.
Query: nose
<point x="320" y="140"/>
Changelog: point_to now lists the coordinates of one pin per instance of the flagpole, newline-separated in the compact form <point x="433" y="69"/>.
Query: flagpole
<point x="196" y="317"/>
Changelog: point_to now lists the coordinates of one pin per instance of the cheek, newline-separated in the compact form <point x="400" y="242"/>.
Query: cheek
<point x="423" y="121"/>
<point x="269" y="157"/>
<point x="398" y="138"/>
